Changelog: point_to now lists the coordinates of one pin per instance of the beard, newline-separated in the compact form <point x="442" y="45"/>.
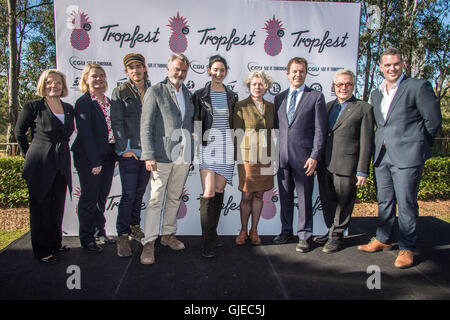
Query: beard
<point x="176" y="81"/>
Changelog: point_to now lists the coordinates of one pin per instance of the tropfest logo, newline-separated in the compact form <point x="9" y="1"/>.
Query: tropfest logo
<point x="78" y="21"/>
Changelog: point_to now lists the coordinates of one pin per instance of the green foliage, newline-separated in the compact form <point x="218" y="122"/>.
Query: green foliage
<point x="435" y="183"/>
<point x="13" y="188"/>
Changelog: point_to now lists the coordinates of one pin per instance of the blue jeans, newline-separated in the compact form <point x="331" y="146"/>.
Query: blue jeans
<point x="134" y="178"/>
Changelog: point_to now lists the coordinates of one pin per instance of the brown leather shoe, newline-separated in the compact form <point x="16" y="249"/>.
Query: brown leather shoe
<point x="171" y="241"/>
<point x="404" y="259"/>
<point x="242" y="237"/>
<point x="374" y="245"/>
<point x="148" y="253"/>
<point x="254" y="238"/>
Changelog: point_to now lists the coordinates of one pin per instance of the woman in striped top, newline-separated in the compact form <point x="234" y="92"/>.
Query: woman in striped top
<point x="214" y="106"/>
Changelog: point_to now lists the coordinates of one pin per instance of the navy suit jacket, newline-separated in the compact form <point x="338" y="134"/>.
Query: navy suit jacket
<point x="305" y="137"/>
<point x="413" y="119"/>
<point x="91" y="143"/>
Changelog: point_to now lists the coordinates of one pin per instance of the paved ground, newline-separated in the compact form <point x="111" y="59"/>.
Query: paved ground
<point x="267" y="272"/>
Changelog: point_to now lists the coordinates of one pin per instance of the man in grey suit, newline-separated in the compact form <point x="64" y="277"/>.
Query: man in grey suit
<point x="167" y="124"/>
<point x="346" y="160"/>
<point x="408" y="115"/>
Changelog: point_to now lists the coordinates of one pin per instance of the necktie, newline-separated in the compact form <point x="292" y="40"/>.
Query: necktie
<point x="334" y="114"/>
<point x="291" y="109"/>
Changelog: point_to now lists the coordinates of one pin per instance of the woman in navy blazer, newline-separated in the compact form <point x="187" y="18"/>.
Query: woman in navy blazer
<point x="93" y="156"/>
<point x="47" y="168"/>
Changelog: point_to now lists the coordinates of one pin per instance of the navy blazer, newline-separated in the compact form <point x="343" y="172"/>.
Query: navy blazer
<point x="305" y="137"/>
<point x="91" y="142"/>
<point x="412" y="121"/>
<point x="49" y="150"/>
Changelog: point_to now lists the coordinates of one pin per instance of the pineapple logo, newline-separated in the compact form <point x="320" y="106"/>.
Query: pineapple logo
<point x="178" y="42"/>
<point x="79" y="23"/>
<point x="274" y="30"/>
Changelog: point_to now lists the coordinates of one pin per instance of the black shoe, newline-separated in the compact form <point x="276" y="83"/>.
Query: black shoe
<point x="218" y="242"/>
<point x="283" y="238"/>
<point x="333" y="245"/>
<point x="103" y="239"/>
<point x="49" y="260"/>
<point x="93" y="247"/>
<point x="321" y="239"/>
<point x="208" y="252"/>
<point x="303" y="246"/>
<point x="62" y="250"/>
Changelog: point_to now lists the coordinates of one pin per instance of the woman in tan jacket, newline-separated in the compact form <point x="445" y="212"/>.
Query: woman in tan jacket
<point x="255" y="117"/>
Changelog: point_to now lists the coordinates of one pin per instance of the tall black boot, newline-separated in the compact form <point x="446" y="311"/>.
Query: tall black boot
<point x="207" y="219"/>
<point x="218" y="202"/>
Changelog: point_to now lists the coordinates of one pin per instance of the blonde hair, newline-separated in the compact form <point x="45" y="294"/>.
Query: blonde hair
<point x="266" y="80"/>
<point x="40" y="88"/>
<point x="84" y="87"/>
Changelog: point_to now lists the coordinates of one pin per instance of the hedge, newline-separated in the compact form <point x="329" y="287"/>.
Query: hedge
<point x="435" y="183"/>
<point x="13" y="188"/>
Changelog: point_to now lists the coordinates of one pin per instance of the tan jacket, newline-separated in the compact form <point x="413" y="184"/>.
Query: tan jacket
<point x="255" y="139"/>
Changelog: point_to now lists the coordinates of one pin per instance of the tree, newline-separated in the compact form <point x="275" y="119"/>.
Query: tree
<point x="30" y="50"/>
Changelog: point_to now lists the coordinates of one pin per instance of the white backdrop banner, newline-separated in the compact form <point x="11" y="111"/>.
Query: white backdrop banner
<point x="250" y="34"/>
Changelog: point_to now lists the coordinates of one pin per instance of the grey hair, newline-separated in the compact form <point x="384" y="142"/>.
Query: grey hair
<point x="180" y="56"/>
<point x="346" y="72"/>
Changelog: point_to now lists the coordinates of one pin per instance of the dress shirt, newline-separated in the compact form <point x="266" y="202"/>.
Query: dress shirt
<point x="297" y="99"/>
<point x="179" y="98"/>
<point x="388" y="97"/>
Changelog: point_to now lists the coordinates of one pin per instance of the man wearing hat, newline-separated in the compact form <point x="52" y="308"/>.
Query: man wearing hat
<point x="126" y="112"/>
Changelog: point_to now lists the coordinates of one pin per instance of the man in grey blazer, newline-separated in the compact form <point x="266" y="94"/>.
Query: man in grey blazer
<point x="408" y="115"/>
<point x="167" y="124"/>
<point x="346" y="160"/>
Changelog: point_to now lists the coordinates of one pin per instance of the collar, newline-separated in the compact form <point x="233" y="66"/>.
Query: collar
<point x="382" y="87"/>
<point x="300" y="89"/>
<point x="146" y="83"/>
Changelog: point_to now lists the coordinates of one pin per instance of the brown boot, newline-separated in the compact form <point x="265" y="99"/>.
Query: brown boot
<point x="254" y="238"/>
<point x="171" y="241"/>
<point x="374" y="245"/>
<point x="242" y="237"/>
<point x="123" y="246"/>
<point x="405" y="259"/>
<point x="148" y="253"/>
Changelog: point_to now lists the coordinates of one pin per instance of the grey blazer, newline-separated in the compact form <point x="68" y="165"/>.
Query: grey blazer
<point x="349" y="143"/>
<point x="412" y="121"/>
<point x="161" y="124"/>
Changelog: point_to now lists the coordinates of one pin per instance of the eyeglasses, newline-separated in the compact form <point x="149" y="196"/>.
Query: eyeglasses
<point x="340" y="85"/>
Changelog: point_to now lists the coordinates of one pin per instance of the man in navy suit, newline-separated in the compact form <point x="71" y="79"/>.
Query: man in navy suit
<point x="407" y="115"/>
<point x="301" y="118"/>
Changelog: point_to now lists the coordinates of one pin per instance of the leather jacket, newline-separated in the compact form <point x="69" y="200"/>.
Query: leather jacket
<point x="126" y="112"/>
<point x="203" y="108"/>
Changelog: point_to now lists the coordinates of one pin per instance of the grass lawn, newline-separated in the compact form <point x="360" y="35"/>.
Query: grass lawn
<point x="6" y="237"/>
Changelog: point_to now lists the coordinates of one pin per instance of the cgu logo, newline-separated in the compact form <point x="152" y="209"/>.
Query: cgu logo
<point x="313" y="70"/>
<point x="198" y="67"/>
<point x="76" y="63"/>
<point x="252" y="65"/>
